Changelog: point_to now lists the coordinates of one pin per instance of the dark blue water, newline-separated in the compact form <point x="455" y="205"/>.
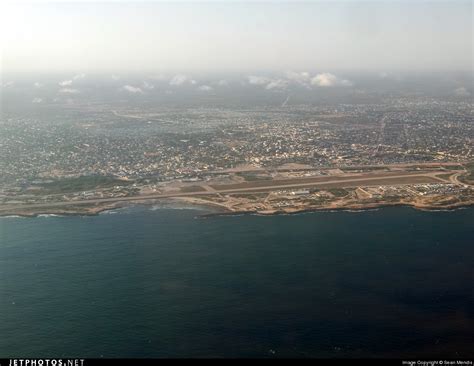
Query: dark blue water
<point x="140" y="283"/>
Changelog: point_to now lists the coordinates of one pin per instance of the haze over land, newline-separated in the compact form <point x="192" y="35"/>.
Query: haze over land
<point x="236" y="52"/>
<point x="179" y="37"/>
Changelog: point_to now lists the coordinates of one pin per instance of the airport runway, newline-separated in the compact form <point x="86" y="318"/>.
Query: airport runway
<point x="378" y="180"/>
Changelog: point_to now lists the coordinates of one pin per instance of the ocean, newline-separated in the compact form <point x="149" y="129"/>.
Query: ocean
<point x="143" y="282"/>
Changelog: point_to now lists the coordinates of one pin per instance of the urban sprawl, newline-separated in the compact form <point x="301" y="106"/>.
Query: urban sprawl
<point x="415" y="151"/>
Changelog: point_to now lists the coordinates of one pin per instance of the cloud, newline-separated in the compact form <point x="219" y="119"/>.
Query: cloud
<point x="147" y="85"/>
<point x="222" y="82"/>
<point x="327" y="79"/>
<point x="268" y="83"/>
<point x="65" y="83"/>
<point x="462" y="92"/>
<point x="303" y="78"/>
<point x="278" y="84"/>
<point x="79" y="76"/>
<point x="37" y="100"/>
<point x="7" y="84"/>
<point x="389" y="76"/>
<point x="258" y="80"/>
<point x="37" y="85"/>
<point x="69" y="91"/>
<point x="181" y="79"/>
<point x="72" y="80"/>
<point x="205" y="88"/>
<point x="115" y="77"/>
<point x="132" y="89"/>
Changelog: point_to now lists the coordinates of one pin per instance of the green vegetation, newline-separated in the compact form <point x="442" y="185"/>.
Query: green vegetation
<point x="452" y="167"/>
<point x="254" y="177"/>
<point x="314" y="201"/>
<point x="191" y="189"/>
<point x="445" y="176"/>
<point x="391" y="198"/>
<point x="433" y="167"/>
<point x="470" y="172"/>
<point x="83" y="183"/>
<point x="338" y="192"/>
<point x="250" y="196"/>
<point x="364" y="169"/>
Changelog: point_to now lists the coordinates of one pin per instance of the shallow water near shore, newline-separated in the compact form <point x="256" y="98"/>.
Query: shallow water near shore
<point x="157" y="282"/>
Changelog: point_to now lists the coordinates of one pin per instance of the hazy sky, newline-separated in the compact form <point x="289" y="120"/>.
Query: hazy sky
<point x="233" y="36"/>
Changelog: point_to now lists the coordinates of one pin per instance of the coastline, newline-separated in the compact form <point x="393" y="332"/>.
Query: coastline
<point x="345" y="209"/>
<point x="221" y="210"/>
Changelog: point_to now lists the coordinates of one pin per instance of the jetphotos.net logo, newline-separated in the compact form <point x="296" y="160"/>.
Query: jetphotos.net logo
<point x="46" y="362"/>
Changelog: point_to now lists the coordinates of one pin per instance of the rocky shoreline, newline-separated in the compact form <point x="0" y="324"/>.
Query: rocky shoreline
<point x="221" y="210"/>
<point x="342" y="209"/>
